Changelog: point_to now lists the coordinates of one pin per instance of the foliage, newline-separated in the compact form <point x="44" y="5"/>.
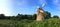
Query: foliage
<point x="47" y="23"/>
<point x="30" y="23"/>
<point x="18" y="17"/>
<point x="2" y="16"/>
<point x="47" y="15"/>
<point x="55" y="16"/>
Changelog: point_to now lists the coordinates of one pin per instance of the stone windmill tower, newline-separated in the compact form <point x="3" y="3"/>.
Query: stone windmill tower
<point x="40" y="13"/>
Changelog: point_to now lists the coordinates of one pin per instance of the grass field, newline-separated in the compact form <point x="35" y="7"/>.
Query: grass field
<point x="30" y="23"/>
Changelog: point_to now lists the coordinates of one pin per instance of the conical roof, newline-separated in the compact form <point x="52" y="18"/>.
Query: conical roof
<point x="40" y="8"/>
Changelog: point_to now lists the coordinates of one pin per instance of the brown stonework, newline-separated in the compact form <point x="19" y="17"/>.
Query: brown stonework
<point x="40" y="14"/>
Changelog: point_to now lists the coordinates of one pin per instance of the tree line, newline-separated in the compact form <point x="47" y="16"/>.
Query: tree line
<point x="29" y="17"/>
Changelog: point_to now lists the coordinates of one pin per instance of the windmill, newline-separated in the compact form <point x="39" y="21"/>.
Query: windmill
<point x="40" y="13"/>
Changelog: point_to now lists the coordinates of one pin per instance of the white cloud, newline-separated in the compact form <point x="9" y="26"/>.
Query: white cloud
<point x="57" y="4"/>
<point x="55" y="1"/>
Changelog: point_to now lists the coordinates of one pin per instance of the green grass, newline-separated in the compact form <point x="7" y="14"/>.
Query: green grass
<point x="47" y="23"/>
<point x="30" y="23"/>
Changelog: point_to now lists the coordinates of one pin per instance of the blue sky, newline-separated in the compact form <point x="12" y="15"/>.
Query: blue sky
<point x="13" y="7"/>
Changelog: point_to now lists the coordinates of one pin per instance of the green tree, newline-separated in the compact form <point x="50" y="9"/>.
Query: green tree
<point x="55" y="16"/>
<point x="19" y="17"/>
<point x="47" y="15"/>
<point x="30" y="17"/>
<point x="2" y="16"/>
<point x="34" y="17"/>
<point x="12" y="18"/>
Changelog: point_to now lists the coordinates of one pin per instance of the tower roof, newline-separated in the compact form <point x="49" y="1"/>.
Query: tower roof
<point x="40" y="8"/>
